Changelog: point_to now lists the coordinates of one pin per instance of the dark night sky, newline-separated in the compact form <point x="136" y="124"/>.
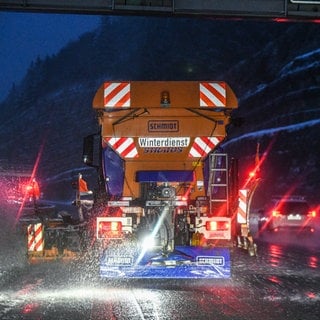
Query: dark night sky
<point x="25" y="36"/>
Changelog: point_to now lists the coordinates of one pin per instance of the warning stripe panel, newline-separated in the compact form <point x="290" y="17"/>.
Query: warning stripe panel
<point x="124" y="146"/>
<point x="35" y="237"/>
<point x="213" y="94"/>
<point x="242" y="208"/>
<point x="116" y="94"/>
<point x="202" y="146"/>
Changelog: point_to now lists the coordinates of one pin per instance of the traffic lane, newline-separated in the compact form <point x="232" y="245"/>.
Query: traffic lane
<point x="180" y="301"/>
<point x="282" y="282"/>
<point x="210" y="301"/>
<point x="288" y="289"/>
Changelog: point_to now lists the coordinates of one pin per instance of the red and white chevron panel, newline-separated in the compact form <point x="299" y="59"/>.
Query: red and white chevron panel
<point x="242" y="209"/>
<point x="116" y="94"/>
<point x="124" y="146"/>
<point x="212" y="94"/>
<point x="202" y="146"/>
<point x="35" y="237"/>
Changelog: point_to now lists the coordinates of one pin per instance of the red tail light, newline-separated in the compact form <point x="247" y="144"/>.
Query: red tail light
<point x="217" y="225"/>
<point x="110" y="229"/>
<point x="276" y="214"/>
<point x="211" y="225"/>
<point x="312" y="214"/>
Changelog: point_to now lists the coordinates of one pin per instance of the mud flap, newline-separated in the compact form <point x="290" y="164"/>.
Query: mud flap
<point x="184" y="262"/>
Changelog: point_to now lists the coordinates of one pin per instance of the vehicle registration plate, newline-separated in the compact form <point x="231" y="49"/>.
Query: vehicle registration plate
<point x="294" y="217"/>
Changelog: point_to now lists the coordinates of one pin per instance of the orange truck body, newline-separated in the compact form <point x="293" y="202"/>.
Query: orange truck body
<point x="163" y="125"/>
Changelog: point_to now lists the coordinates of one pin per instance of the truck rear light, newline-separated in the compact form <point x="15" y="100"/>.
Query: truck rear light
<point x="109" y="229"/>
<point x="214" y="228"/>
<point x="113" y="227"/>
<point x="217" y="225"/>
<point x="211" y="225"/>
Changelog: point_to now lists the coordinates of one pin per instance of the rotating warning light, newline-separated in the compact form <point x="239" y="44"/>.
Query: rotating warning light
<point x="30" y="189"/>
<point x="165" y="99"/>
<point x="252" y="174"/>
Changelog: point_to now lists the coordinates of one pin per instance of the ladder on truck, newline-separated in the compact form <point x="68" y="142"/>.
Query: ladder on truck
<point x="218" y="190"/>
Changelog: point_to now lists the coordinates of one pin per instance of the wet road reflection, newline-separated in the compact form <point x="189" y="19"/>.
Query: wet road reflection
<point x="282" y="282"/>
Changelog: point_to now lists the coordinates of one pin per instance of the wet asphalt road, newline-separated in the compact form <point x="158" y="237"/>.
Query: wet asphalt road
<point x="282" y="282"/>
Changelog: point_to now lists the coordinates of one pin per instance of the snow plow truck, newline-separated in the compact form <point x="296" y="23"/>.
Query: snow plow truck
<point x="167" y="203"/>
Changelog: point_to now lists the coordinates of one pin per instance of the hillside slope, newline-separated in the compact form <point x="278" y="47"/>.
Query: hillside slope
<point x="272" y="67"/>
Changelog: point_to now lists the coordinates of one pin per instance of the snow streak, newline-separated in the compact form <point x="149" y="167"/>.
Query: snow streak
<point x="271" y="131"/>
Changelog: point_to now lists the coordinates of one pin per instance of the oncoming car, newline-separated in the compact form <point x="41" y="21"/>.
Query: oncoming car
<point x="288" y="213"/>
